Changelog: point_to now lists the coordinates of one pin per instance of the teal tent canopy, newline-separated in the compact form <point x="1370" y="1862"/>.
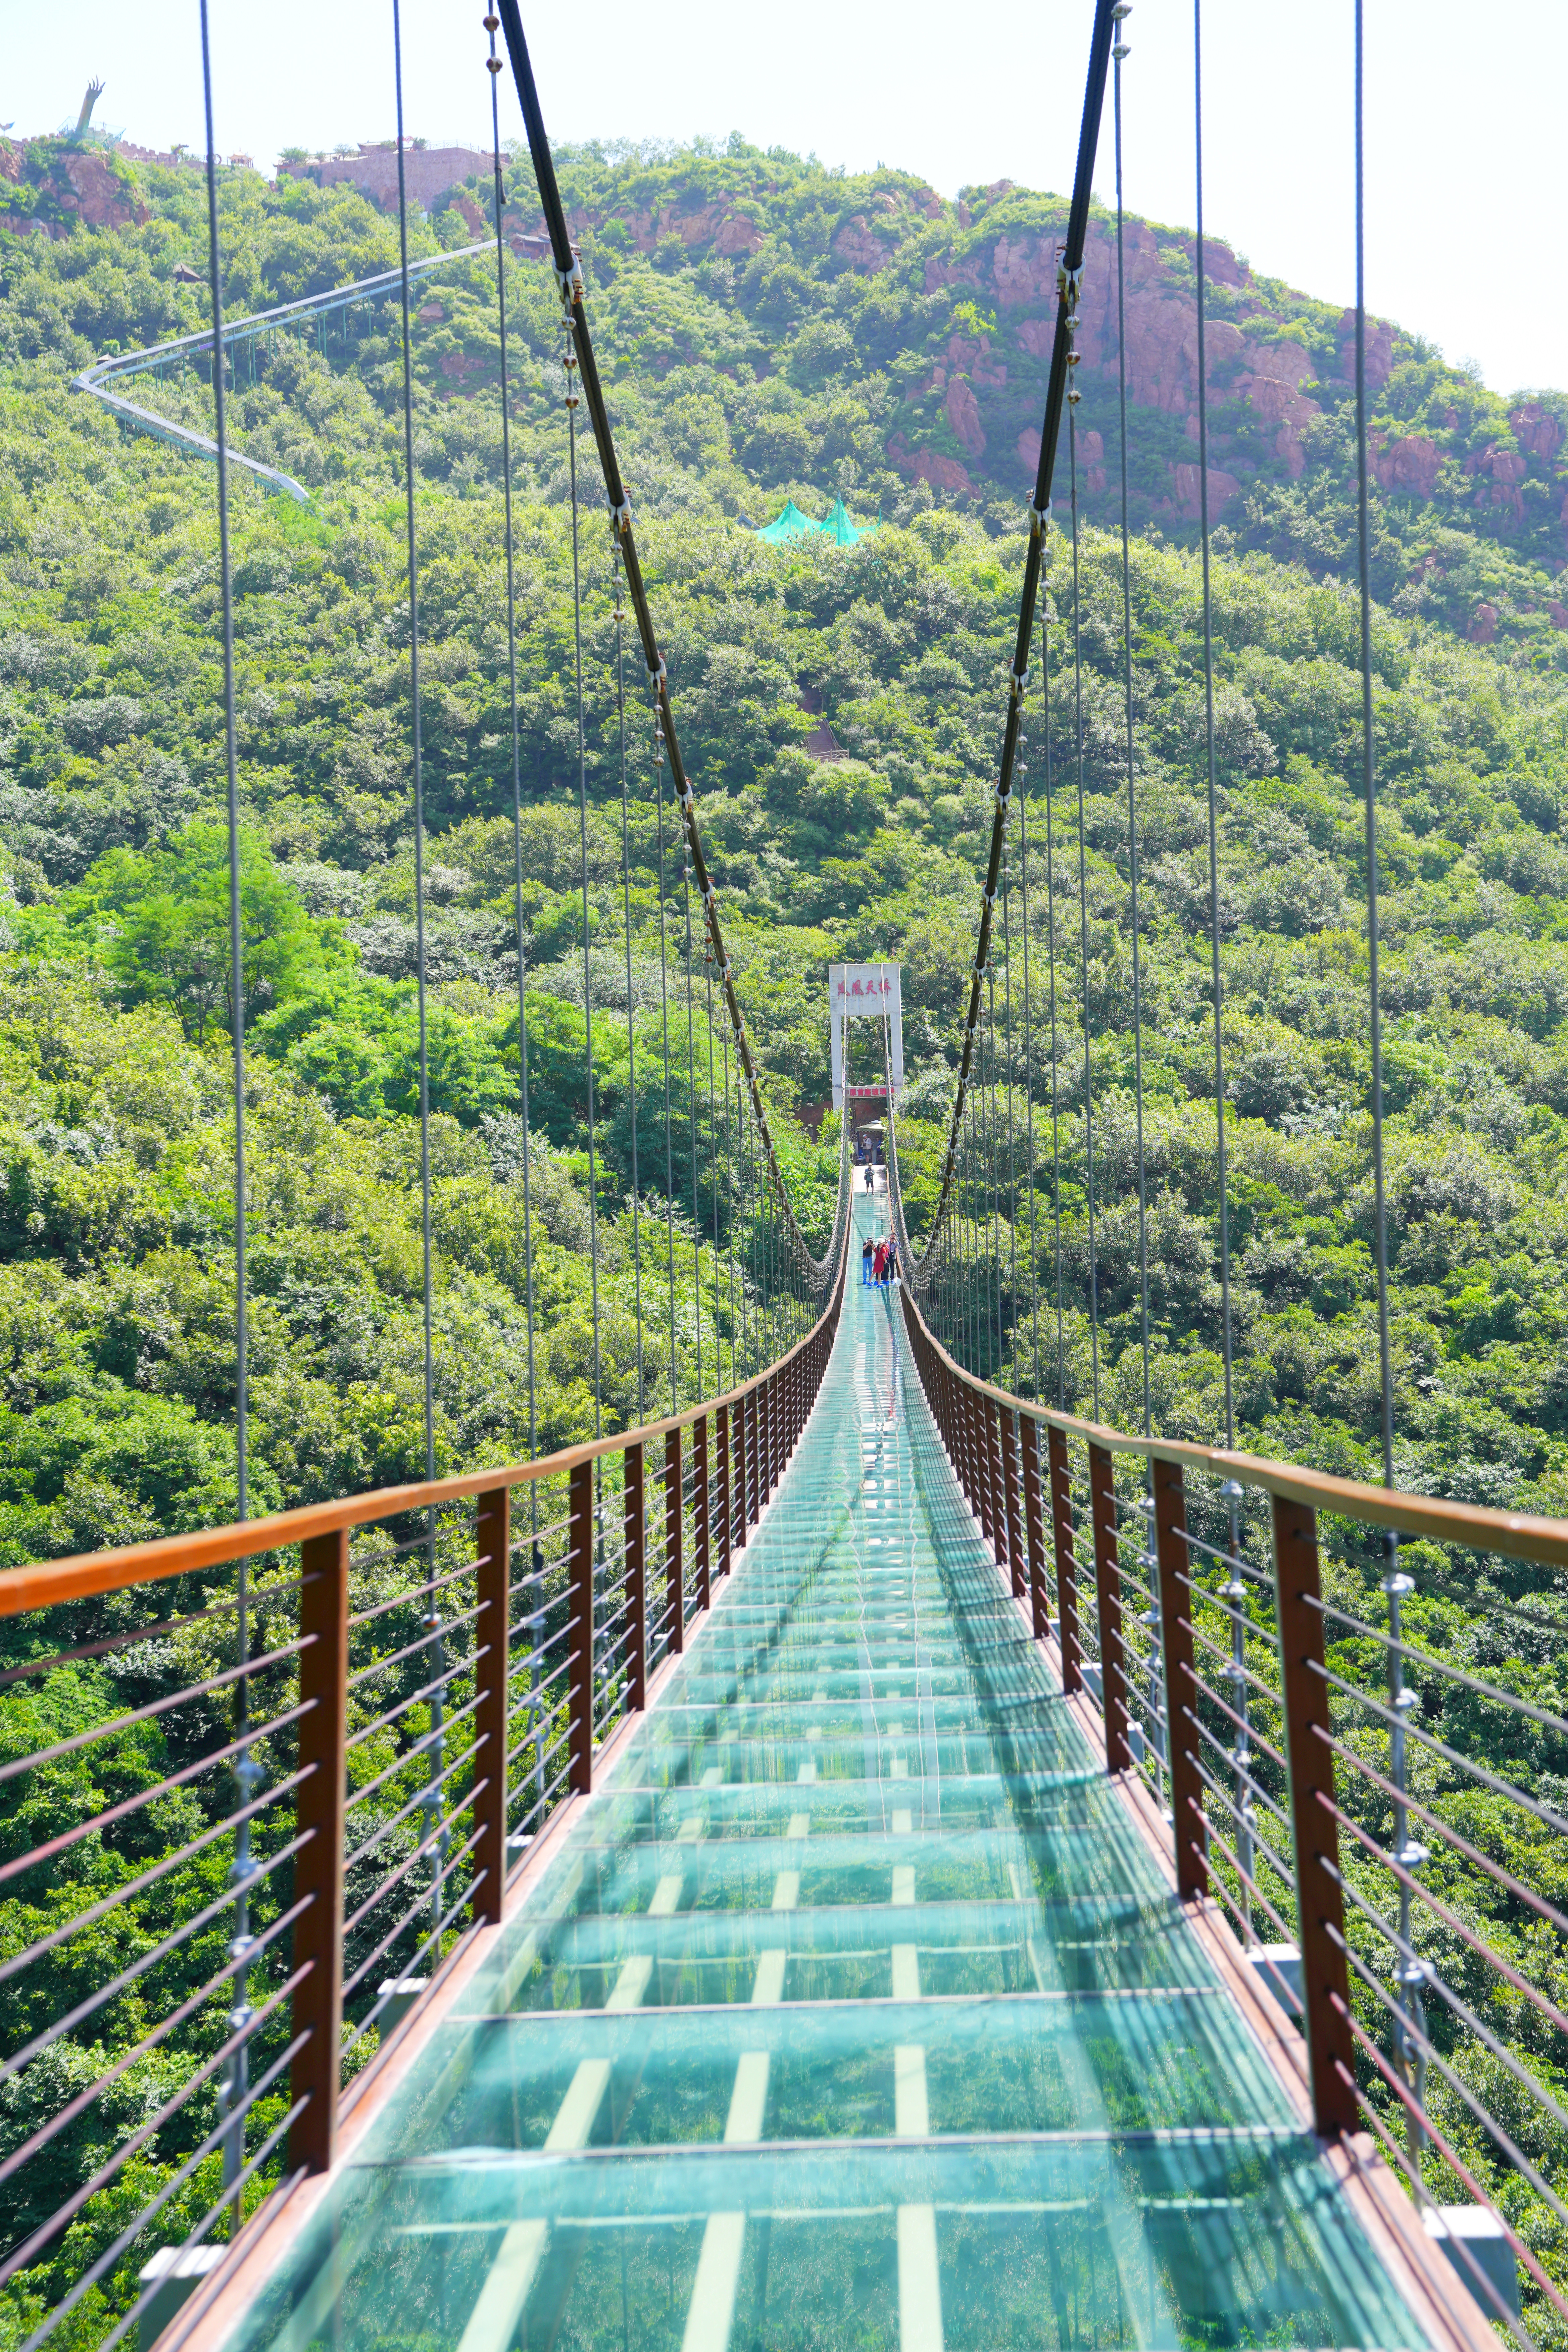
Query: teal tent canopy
<point x="839" y="527"/>
<point x="790" y="524"/>
<point x="793" y="524"/>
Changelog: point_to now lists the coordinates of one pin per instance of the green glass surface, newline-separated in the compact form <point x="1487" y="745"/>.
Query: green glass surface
<point x="853" y="2011"/>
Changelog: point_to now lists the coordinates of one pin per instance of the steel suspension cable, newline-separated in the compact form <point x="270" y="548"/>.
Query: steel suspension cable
<point x="1030" y="1082"/>
<point x="436" y="1773"/>
<point x="730" y="1207"/>
<point x="691" y="1118"/>
<point x="572" y="397"/>
<point x="713" y="1165"/>
<point x="659" y="749"/>
<point x="1083" y="913"/>
<point x="1209" y="738"/>
<point x="993" y="1220"/>
<point x="1409" y="2048"/>
<point x="1051" y="954"/>
<point x="1118" y="53"/>
<point x="1230" y="1491"/>
<point x="247" y="1771"/>
<point x="516" y="774"/>
<point x="1369" y="771"/>
<point x="1012" y="1164"/>
<point x="626" y="920"/>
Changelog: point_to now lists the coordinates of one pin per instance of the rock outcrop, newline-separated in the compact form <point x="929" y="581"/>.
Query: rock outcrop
<point x="1536" y="430"/>
<point x="427" y="171"/>
<point x="1502" y="471"/>
<point x="1188" y="480"/>
<point x="931" y="466"/>
<point x="1410" y="465"/>
<point x="963" y="416"/>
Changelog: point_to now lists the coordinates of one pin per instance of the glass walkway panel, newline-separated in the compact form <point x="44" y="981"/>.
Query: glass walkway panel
<point x="852" y="2010"/>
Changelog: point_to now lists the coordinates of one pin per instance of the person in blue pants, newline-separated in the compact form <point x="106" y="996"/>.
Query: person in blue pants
<point x="866" y="1256"/>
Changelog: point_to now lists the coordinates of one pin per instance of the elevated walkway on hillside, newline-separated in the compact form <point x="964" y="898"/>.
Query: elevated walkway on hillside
<point x="853" y="2009"/>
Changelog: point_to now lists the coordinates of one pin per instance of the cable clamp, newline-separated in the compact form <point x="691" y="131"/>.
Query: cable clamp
<point x="686" y="797"/>
<point x="569" y="282"/>
<point x="655" y="678"/>
<point x="1016" y="681"/>
<point x="621" y="517"/>
<point x="988" y="897"/>
<point x="1004" y="799"/>
<point x="1039" y="515"/>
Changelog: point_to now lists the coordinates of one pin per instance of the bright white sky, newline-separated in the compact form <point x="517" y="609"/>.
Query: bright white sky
<point x="1466" y="238"/>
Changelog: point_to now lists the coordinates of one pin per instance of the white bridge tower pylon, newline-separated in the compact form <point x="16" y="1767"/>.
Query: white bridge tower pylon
<point x="865" y="991"/>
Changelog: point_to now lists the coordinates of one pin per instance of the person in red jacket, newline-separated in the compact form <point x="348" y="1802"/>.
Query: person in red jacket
<point x="880" y="1265"/>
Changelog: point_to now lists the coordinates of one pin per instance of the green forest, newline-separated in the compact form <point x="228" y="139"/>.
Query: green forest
<point x="768" y="328"/>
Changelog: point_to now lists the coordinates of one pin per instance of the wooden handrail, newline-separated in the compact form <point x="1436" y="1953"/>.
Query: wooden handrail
<point x="1519" y="1534"/>
<point x="49" y="1582"/>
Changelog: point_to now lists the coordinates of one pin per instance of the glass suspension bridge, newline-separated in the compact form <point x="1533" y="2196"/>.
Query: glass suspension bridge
<point x="890" y="1871"/>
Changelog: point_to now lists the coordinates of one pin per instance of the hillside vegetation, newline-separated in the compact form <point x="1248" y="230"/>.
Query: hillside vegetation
<point x="768" y="328"/>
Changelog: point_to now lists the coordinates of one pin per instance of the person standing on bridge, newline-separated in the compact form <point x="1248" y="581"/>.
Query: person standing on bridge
<point x="879" y="1266"/>
<point x="865" y="1262"/>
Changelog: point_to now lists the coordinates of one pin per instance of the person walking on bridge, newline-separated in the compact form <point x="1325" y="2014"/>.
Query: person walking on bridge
<point x="866" y="1256"/>
<point x="879" y="1266"/>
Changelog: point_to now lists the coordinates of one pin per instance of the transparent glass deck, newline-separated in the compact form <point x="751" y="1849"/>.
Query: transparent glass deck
<point x="853" y="2012"/>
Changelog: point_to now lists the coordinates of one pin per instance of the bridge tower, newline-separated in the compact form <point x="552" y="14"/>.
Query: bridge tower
<point x="862" y="991"/>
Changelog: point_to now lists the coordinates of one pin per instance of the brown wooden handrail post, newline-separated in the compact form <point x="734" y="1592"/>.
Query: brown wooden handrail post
<point x="756" y="1431"/>
<point x="1189" y="1828"/>
<point x="1066" y="1564"/>
<point x="723" y="1504"/>
<point x="1325" y="1976"/>
<point x="991" y="1480"/>
<point x="1107" y="1594"/>
<point x="492" y="1580"/>
<point x="637" y="1577"/>
<point x="740" y="1443"/>
<point x="1034" y="1525"/>
<point x="580" y="1532"/>
<point x="1008" y="1425"/>
<point x="674" y="1528"/>
<point x="318" y="1866"/>
<point x="700" y="1511"/>
<point x="973" y="1483"/>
